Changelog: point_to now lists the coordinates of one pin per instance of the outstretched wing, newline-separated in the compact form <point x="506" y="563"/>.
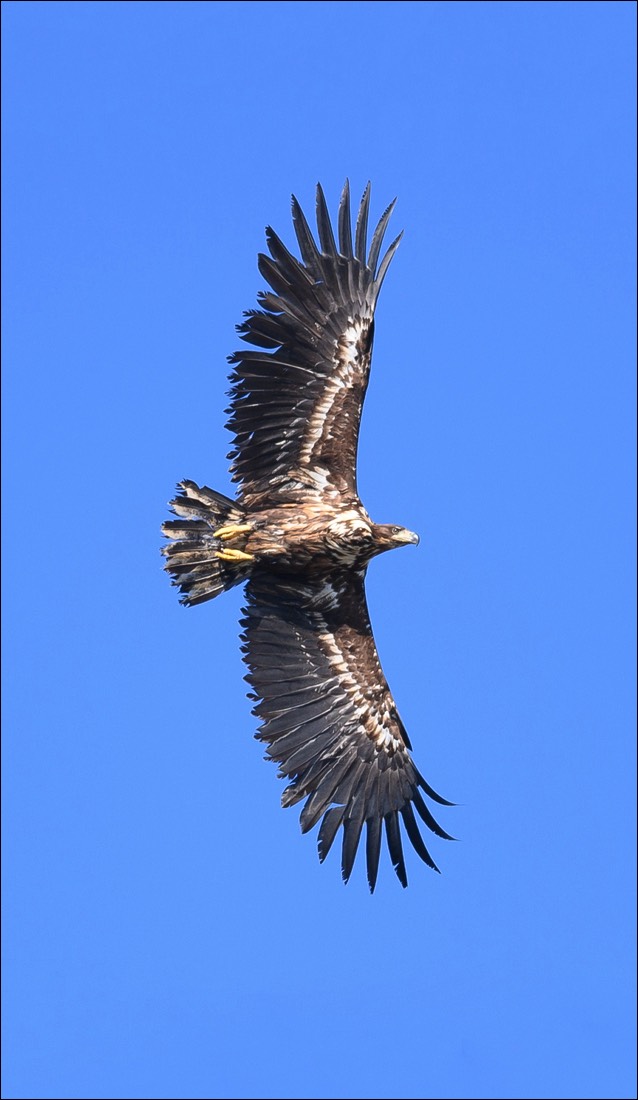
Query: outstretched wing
<point x="329" y="719"/>
<point x="296" y="402"/>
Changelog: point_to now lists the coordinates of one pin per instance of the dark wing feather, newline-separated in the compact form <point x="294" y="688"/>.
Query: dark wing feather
<point x="296" y="403"/>
<point x="328" y="717"/>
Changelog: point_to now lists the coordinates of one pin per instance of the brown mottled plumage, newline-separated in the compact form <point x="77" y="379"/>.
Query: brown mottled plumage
<point x="299" y="535"/>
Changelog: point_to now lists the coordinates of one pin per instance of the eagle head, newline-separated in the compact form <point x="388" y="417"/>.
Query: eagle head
<point x="388" y="535"/>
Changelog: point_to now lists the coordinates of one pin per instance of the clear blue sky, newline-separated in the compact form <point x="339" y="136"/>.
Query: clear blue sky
<point x="168" y="931"/>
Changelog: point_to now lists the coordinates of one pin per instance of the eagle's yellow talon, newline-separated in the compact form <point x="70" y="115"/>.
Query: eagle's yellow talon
<point x="232" y="531"/>
<point x="233" y="555"/>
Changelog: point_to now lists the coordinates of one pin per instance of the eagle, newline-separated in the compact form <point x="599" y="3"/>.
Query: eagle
<point x="298" y="535"/>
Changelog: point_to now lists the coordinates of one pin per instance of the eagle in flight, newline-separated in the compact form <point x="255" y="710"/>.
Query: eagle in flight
<point x="300" y="538"/>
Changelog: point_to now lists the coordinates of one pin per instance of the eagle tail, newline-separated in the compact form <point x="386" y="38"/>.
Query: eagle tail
<point x="193" y="552"/>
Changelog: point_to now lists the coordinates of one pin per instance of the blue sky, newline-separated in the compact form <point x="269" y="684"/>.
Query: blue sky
<point x="168" y="931"/>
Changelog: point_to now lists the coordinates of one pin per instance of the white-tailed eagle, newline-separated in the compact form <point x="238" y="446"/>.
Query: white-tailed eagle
<point x="300" y="537"/>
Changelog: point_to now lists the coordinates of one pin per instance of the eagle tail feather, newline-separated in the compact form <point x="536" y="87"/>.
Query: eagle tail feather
<point x="192" y="553"/>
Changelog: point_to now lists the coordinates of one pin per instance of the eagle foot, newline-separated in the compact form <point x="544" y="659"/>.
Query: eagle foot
<point x="232" y="531"/>
<point x="233" y="555"/>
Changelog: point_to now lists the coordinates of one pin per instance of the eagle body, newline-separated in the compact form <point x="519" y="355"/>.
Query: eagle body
<point x="298" y="535"/>
<point x="313" y="538"/>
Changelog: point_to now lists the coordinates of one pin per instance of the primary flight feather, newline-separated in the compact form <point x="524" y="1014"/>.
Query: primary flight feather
<point x="300" y="538"/>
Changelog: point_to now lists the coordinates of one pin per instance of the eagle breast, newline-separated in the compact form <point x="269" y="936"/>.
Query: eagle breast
<point x="349" y="538"/>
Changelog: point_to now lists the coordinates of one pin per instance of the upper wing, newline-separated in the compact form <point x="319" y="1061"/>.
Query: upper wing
<point x="329" y="719"/>
<point x="296" y="403"/>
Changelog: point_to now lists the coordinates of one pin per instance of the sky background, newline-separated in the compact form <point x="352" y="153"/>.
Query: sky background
<point x="168" y="931"/>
